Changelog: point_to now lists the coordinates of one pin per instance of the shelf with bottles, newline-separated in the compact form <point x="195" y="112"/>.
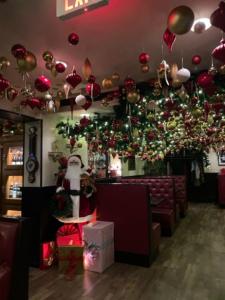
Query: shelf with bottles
<point x="14" y="188"/>
<point x="15" y="157"/>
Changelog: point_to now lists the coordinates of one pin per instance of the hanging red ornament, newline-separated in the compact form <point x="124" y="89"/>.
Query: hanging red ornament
<point x="60" y="67"/>
<point x="11" y="93"/>
<point x="18" y="51"/>
<point x="144" y="58"/>
<point x="34" y="103"/>
<point x="93" y="89"/>
<point x="196" y="60"/>
<point x="91" y="79"/>
<point x="129" y="83"/>
<point x="112" y="143"/>
<point x="42" y="84"/>
<point x="73" y="38"/>
<point x="219" y="51"/>
<point x="72" y="142"/>
<point x="73" y="79"/>
<point x="84" y="122"/>
<point x="210" y="89"/>
<point x="87" y="105"/>
<point x="204" y="79"/>
<point x="4" y="83"/>
<point x="217" y="18"/>
<point x="48" y="56"/>
<point x="169" y="38"/>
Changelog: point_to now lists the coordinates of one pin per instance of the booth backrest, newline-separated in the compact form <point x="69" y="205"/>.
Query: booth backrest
<point x="128" y="206"/>
<point x="161" y="189"/>
<point x="14" y="257"/>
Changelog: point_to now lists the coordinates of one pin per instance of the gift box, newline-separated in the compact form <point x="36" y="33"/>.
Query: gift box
<point x="98" y="246"/>
<point x="48" y="255"/>
<point x="70" y="260"/>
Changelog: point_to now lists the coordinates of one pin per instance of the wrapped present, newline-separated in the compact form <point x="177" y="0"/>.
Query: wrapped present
<point x="48" y="255"/>
<point x="99" y="246"/>
<point x="69" y="234"/>
<point x="70" y="260"/>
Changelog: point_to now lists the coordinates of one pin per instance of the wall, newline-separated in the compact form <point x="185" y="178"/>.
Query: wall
<point x="214" y="167"/>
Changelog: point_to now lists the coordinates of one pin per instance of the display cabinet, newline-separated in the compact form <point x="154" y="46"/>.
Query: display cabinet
<point x="11" y="175"/>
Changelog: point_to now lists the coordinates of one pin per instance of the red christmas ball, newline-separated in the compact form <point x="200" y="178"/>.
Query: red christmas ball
<point x="91" y="79"/>
<point x="73" y="79"/>
<point x="196" y="59"/>
<point x="73" y="38"/>
<point x="72" y="142"/>
<point x="129" y="83"/>
<point x="60" y="67"/>
<point x="144" y="58"/>
<point x="84" y="122"/>
<point x="205" y="80"/>
<point x="219" y="52"/>
<point x="4" y="83"/>
<point x="93" y="89"/>
<point x="34" y="102"/>
<point x="112" y="143"/>
<point x="18" y="51"/>
<point x="42" y="84"/>
<point x="87" y="104"/>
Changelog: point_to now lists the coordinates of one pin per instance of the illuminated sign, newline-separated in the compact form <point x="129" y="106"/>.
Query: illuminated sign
<point x="69" y="8"/>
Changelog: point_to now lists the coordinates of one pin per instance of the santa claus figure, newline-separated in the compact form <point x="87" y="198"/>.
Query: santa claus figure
<point x="78" y="187"/>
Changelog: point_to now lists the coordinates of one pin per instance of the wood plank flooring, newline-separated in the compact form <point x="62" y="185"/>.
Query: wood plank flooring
<point x="190" y="266"/>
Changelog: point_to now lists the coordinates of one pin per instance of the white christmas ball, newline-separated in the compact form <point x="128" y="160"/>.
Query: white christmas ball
<point x="80" y="100"/>
<point x="183" y="75"/>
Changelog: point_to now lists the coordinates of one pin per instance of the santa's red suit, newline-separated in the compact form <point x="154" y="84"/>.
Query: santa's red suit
<point x="83" y="203"/>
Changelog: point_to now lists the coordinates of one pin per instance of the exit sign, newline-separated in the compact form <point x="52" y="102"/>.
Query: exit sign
<point x="68" y="8"/>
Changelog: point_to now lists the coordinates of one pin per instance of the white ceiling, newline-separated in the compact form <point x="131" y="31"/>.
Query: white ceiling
<point x="112" y="36"/>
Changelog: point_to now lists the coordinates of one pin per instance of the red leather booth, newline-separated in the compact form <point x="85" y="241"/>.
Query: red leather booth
<point x="13" y="259"/>
<point x="221" y="187"/>
<point x="128" y="206"/>
<point x="164" y="210"/>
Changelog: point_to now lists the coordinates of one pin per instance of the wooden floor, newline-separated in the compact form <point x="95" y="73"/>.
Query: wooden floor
<point x="191" y="266"/>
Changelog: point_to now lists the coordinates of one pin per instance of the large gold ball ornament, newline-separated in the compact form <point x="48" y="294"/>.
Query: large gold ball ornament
<point x="133" y="97"/>
<point x="47" y="56"/>
<point x="107" y="83"/>
<point x="28" y="63"/>
<point x="180" y="19"/>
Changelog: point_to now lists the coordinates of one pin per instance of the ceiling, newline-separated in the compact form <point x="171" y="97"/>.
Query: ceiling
<point x="112" y="36"/>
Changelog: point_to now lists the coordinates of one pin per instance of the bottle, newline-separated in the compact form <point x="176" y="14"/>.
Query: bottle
<point x="14" y="192"/>
<point x="11" y="191"/>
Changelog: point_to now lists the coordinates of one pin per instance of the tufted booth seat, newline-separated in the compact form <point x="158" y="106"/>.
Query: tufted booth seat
<point x="13" y="260"/>
<point x="165" y="210"/>
<point x="128" y="206"/>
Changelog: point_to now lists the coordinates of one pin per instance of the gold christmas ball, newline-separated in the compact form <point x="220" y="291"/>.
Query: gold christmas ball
<point x="79" y="145"/>
<point x="28" y="63"/>
<point x="171" y="125"/>
<point x="107" y="83"/>
<point x="115" y="77"/>
<point x="176" y="83"/>
<point x="173" y="71"/>
<point x="57" y="103"/>
<point x="180" y="19"/>
<point x="133" y="97"/>
<point x="145" y="68"/>
<point x="4" y="63"/>
<point x="197" y="113"/>
<point x="47" y="56"/>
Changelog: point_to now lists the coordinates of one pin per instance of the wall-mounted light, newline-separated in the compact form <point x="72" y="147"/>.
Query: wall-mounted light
<point x="201" y="25"/>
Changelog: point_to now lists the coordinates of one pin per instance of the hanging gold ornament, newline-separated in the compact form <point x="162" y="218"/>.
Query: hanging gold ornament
<point x="4" y="63"/>
<point x="107" y="83"/>
<point x="180" y="19"/>
<point x="47" y="56"/>
<point x="173" y="71"/>
<point x="135" y="133"/>
<point x="57" y="103"/>
<point x="176" y="83"/>
<point x="28" y="63"/>
<point x="87" y="69"/>
<point x="115" y="77"/>
<point x="145" y="68"/>
<point x="133" y="97"/>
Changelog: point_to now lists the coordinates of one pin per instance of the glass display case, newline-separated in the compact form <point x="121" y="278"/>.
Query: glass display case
<point x="11" y="175"/>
